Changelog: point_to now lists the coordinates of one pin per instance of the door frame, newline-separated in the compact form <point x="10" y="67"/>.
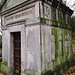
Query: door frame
<point x="12" y="50"/>
<point x="19" y="28"/>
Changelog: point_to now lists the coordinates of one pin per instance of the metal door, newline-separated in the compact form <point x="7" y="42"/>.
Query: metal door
<point x="17" y="53"/>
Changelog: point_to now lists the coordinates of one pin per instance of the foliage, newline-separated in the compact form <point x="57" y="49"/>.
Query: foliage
<point x="4" y="62"/>
<point x="73" y="22"/>
<point x="0" y="41"/>
<point x="4" y="69"/>
<point x="61" y="68"/>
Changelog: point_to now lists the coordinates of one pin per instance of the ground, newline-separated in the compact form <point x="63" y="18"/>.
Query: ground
<point x="1" y="74"/>
<point x="71" y="71"/>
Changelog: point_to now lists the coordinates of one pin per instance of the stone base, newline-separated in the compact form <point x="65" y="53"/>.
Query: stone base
<point x="30" y="72"/>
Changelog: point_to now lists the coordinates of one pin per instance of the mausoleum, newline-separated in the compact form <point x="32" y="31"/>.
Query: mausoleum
<point x="36" y="37"/>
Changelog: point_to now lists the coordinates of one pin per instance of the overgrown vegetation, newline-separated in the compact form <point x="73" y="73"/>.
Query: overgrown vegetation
<point x="61" y="68"/>
<point x="73" y="22"/>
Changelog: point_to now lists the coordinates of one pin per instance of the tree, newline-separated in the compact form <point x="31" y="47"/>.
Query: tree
<point x="71" y="4"/>
<point x="73" y="22"/>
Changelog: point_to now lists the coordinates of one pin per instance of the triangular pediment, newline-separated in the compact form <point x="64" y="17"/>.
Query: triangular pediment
<point x="11" y="3"/>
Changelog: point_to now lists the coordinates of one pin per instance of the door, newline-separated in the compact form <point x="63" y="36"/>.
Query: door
<point x="17" y="53"/>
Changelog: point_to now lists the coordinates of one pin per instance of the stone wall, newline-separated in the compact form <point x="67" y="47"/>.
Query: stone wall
<point x="56" y="47"/>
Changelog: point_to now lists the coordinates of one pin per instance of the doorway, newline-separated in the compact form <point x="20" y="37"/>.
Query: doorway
<point x="17" y="52"/>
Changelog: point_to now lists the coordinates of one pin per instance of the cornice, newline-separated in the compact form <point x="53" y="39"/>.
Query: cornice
<point x="21" y="5"/>
<point x="60" y="5"/>
<point x="55" y="3"/>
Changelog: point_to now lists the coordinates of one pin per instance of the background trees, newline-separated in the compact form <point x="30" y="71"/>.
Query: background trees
<point x="71" y="4"/>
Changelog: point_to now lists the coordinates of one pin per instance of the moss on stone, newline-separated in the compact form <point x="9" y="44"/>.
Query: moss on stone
<point x="43" y="20"/>
<point x="44" y="44"/>
<point x="55" y="33"/>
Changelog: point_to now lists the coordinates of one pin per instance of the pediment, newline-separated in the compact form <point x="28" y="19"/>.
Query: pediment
<point x="11" y="3"/>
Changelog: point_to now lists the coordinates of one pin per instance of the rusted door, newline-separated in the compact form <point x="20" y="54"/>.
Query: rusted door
<point x="17" y="53"/>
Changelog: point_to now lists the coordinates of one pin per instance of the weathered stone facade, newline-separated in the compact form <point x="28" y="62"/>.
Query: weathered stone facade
<point x="45" y="35"/>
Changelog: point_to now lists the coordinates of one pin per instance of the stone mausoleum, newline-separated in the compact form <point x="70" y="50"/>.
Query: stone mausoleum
<point x="36" y="37"/>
